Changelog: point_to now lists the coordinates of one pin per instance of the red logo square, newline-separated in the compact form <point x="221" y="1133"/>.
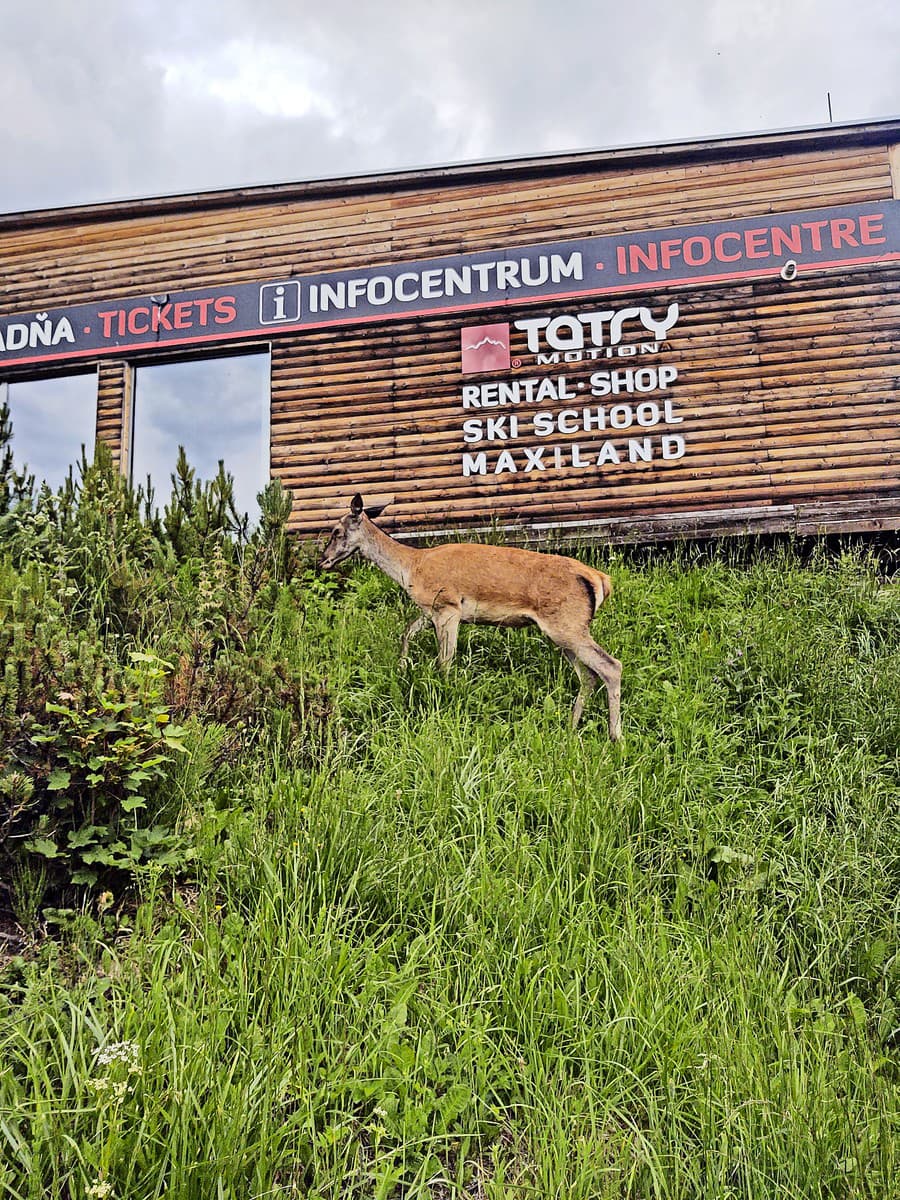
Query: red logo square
<point x="485" y="348"/>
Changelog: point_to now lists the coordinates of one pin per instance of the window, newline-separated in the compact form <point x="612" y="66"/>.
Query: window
<point x="217" y="408"/>
<point x="52" y="419"/>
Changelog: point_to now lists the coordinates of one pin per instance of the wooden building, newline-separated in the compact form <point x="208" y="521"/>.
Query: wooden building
<point x="638" y="343"/>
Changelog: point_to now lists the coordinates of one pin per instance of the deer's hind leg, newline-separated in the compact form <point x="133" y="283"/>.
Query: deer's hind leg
<point x="592" y="663"/>
<point x="588" y="680"/>
<point x="599" y="661"/>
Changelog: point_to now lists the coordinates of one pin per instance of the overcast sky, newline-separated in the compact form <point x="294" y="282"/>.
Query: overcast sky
<point x="106" y="99"/>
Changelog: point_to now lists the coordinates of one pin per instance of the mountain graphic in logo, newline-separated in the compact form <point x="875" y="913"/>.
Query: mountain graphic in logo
<point x="485" y="348"/>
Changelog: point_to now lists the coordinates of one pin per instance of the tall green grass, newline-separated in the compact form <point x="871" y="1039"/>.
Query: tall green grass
<point x="463" y="952"/>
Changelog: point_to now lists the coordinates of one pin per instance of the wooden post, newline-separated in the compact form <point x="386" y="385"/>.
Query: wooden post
<point x="894" y="157"/>
<point x="115" y="392"/>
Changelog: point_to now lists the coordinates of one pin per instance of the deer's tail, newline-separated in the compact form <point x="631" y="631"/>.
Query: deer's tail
<point x="598" y="586"/>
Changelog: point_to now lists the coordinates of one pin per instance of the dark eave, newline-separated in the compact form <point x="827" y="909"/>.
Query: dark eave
<point x="717" y="149"/>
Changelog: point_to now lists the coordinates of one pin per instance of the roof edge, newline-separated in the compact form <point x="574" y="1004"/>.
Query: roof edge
<point x="720" y="146"/>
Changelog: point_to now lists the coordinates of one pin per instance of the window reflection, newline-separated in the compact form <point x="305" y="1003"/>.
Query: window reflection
<point x="52" y="419"/>
<point x="217" y="408"/>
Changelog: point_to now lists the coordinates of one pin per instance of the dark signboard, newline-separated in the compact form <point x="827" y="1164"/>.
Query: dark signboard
<point x="717" y="252"/>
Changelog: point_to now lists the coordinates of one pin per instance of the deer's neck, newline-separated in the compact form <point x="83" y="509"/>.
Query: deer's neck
<point x="389" y="555"/>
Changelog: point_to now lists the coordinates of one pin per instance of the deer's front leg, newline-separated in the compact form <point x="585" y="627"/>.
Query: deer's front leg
<point x="414" y="627"/>
<point x="446" y="626"/>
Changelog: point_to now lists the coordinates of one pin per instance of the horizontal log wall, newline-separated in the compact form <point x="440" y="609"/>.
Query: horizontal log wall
<point x="77" y="263"/>
<point x="787" y="391"/>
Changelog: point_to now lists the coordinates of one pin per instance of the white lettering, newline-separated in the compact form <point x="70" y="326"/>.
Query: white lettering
<point x="481" y="270"/>
<point x="639" y="450"/>
<point x="63" y="332"/>
<point x="379" y="290"/>
<point x="660" y="328"/>
<point x="645" y="379"/>
<point x="556" y="333"/>
<point x="458" y="281"/>
<point x="505" y="393"/>
<point x="537" y="278"/>
<point x="432" y="284"/>
<point x="615" y="325"/>
<point x="570" y="268"/>
<point x="672" y="446"/>
<point x="496" y="428"/>
<point x="532" y="327"/>
<point x="565" y="333"/>
<point x="544" y="424"/>
<point x="474" y="464"/>
<point x="355" y="289"/>
<point x="16" y="336"/>
<point x="404" y="294"/>
<point x="547" y="391"/>
<point x="41" y="333"/>
<point x="508" y="275"/>
<point x="333" y="295"/>
<point x="595" y="322"/>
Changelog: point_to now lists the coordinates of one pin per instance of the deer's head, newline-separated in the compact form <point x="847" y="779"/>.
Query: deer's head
<point x="349" y="534"/>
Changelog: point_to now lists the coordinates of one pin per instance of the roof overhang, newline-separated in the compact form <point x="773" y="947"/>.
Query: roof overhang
<point x="618" y="158"/>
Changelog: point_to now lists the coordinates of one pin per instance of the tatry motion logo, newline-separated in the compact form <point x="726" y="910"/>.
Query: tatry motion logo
<point x="485" y="348"/>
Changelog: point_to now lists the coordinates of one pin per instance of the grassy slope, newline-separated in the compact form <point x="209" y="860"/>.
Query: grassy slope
<point x="470" y="953"/>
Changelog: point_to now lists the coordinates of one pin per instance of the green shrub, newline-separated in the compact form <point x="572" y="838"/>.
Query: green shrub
<point x="118" y="620"/>
<point x="86" y="742"/>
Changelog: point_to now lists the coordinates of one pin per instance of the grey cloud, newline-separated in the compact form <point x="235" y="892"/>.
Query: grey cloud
<point x="102" y="111"/>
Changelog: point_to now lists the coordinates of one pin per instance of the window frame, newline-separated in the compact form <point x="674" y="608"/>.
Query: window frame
<point x="63" y="370"/>
<point x="192" y="354"/>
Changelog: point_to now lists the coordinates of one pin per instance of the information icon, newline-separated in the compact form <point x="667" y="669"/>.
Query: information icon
<point x="279" y="302"/>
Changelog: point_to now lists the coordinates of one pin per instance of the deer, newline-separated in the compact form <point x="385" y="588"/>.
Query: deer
<point x="471" y="583"/>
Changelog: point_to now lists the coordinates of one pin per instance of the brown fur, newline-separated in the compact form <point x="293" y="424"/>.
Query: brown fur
<point x="492" y="585"/>
<point x="503" y="578"/>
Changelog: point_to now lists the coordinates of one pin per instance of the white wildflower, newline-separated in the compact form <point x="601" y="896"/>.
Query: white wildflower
<point x="123" y="1052"/>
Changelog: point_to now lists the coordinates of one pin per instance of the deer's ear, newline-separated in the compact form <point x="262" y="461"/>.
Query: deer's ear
<point x="375" y="510"/>
<point x="356" y="505"/>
